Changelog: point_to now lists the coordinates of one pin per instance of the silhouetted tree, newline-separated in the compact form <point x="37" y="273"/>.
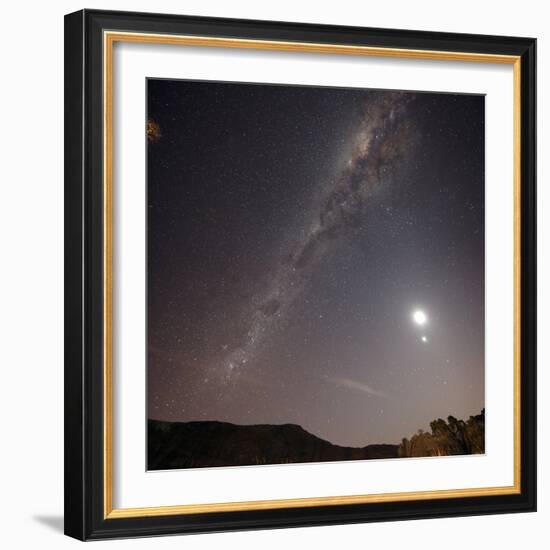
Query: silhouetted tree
<point x="451" y="437"/>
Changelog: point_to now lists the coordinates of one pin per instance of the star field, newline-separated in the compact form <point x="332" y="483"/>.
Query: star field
<point x="292" y="234"/>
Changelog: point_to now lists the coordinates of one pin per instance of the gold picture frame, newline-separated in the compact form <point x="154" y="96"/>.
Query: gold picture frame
<point x="103" y="34"/>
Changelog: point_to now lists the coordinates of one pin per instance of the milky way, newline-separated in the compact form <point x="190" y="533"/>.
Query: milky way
<point x="292" y="233"/>
<point x="380" y="140"/>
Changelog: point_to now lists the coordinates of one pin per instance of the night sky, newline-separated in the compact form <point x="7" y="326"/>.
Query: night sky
<point x="293" y="233"/>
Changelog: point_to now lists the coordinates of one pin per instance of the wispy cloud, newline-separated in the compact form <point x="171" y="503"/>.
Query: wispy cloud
<point x="355" y="385"/>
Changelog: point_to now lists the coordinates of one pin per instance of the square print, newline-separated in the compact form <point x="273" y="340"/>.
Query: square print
<point x="315" y="274"/>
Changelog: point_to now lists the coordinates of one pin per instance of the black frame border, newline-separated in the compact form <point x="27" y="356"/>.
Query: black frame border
<point x="84" y="407"/>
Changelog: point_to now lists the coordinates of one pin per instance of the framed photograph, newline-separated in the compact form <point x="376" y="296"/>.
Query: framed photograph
<point x="300" y="274"/>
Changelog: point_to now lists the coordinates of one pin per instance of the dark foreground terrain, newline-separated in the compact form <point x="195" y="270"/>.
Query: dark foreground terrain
<point x="207" y="444"/>
<point x="204" y="444"/>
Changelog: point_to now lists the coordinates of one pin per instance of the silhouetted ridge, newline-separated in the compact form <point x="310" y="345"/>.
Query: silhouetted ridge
<point x="212" y="443"/>
<point x="203" y="444"/>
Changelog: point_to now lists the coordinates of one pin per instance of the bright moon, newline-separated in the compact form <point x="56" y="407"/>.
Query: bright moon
<point x="419" y="317"/>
